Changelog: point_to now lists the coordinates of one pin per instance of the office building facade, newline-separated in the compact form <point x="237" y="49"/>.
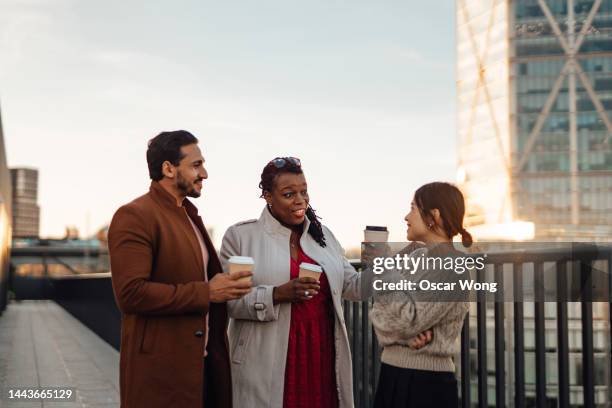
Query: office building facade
<point x="534" y="88"/>
<point x="26" y="213"/>
<point x="534" y="93"/>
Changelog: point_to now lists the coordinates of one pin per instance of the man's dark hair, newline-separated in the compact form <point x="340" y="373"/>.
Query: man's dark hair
<point x="167" y="147"/>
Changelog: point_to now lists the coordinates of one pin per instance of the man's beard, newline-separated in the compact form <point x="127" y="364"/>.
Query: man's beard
<point x="185" y="187"/>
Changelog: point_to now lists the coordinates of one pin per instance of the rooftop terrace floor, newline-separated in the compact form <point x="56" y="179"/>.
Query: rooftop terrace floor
<point x="42" y="345"/>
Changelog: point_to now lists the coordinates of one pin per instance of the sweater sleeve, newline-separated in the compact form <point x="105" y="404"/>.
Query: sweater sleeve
<point x="400" y="315"/>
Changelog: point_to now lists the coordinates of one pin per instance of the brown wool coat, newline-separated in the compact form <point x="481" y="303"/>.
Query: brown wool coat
<point x="158" y="280"/>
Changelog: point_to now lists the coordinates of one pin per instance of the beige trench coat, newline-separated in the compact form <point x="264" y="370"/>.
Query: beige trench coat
<point x="259" y="330"/>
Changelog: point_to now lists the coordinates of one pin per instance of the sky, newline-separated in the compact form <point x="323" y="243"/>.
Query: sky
<point x="363" y="92"/>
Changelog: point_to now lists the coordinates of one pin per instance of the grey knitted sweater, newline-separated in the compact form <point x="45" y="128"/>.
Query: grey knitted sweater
<point x="399" y="316"/>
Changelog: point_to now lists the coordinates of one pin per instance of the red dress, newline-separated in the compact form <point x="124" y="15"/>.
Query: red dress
<point x="310" y="373"/>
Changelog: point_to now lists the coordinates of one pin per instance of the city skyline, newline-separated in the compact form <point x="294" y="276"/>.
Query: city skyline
<point x="351" y="89"/>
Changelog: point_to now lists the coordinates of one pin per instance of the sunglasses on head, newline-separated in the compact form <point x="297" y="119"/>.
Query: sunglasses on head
<point x="281" y="162"/>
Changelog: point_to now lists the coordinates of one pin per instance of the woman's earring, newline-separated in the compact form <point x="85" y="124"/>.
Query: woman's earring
<point x="430" y="225"/>
<point x="269" y="206"/>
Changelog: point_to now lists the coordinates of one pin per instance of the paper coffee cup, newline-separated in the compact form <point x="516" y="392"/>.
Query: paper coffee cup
<point x="241" y="263"/>
<point x="308" y="270"/>
<point x="374" y="233"/>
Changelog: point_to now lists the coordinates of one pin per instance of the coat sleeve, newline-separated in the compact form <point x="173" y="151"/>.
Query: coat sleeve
<point x="257" y="305"/>
<point x="356" y="285"/>
<point x="131" y="257"/>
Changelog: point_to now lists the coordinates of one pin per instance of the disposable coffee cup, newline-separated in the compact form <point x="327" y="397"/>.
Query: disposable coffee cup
<point x="373" y="233"/>
<point x="308" y="270"/>
<point x="241" y="263"/>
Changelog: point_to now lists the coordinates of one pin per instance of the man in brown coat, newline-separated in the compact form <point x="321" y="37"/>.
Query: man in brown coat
<point x="169" y="287"/>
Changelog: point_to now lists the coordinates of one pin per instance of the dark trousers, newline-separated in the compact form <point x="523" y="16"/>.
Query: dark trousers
<point x="208" y="397"/>
<point x="408" y="388"/>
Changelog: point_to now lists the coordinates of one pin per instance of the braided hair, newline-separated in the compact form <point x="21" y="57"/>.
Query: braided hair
<point x="268" y="177"/>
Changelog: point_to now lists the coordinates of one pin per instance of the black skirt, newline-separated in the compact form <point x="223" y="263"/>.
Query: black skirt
<point x="408" y="388"/>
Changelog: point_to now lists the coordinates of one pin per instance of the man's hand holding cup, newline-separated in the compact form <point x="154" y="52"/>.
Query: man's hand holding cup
<point x="234" y="284"/>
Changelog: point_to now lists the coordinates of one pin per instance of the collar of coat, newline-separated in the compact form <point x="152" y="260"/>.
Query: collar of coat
<point x="166" y="199"/>
<point x="273" y="226"/>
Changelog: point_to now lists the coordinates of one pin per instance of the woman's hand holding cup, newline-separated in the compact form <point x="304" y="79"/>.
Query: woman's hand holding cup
<point x="374" y="244"/>
<point x="296" y="290"/>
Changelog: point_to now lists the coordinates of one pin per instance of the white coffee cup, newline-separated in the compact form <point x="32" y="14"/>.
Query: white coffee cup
<point x="374" y="233"/>
<point x="241" y="263"/>
<point x="308" y="270"/>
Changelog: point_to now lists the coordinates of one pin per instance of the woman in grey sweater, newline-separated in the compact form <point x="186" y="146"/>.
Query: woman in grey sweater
<point x="423" y="377"/>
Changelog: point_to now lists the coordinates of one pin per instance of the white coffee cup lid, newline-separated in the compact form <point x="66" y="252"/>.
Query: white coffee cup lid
<point x="241" y="260"/>
<point x="311" y="267"/>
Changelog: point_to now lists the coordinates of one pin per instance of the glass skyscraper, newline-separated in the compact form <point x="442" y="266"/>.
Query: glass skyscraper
<point x="534" y="87"/>
<point x="534" y="93"/>
<point x="26" y="213"/>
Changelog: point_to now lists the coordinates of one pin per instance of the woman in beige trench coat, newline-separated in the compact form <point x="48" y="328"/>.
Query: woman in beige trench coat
<point x="260" y="321"/>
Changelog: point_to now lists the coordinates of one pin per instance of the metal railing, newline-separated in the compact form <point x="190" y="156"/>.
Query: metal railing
<point x="90" y="298"/>
<point x="510" y="388"/>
